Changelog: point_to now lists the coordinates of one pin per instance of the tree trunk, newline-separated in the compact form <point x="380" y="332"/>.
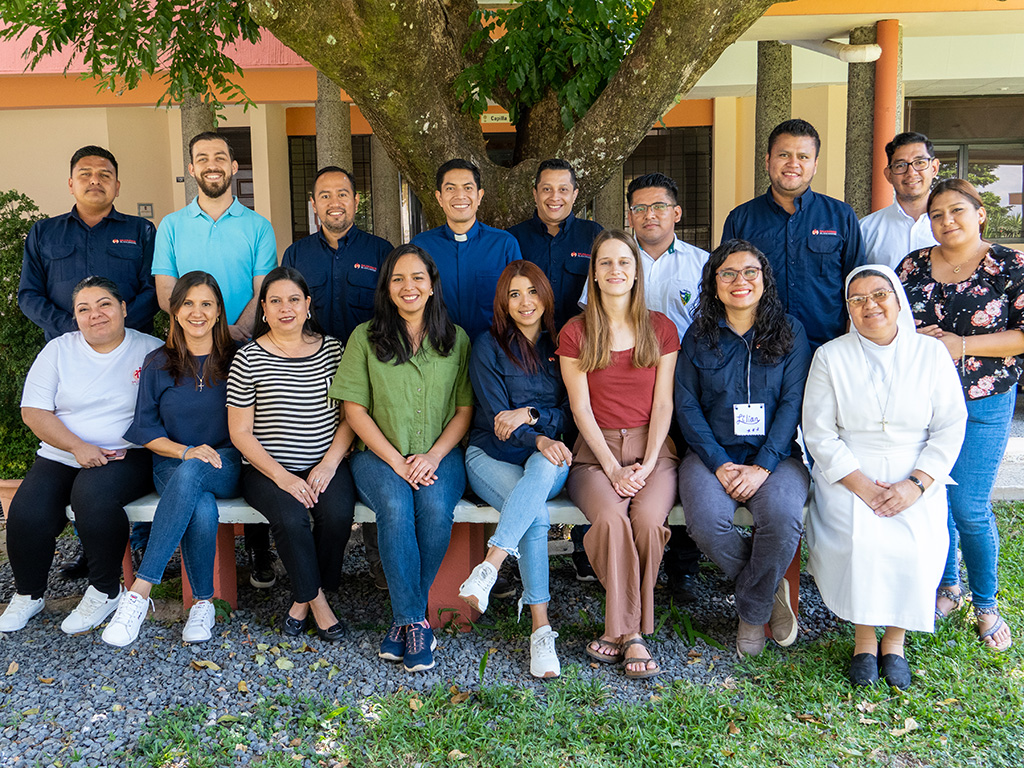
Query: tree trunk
<point x="398" y="62"/>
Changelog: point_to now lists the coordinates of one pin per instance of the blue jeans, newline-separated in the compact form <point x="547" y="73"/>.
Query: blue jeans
<point x="413" y="527"/>
<point x="520" y="493"/>
<point x="187" y="513"/>
<point x="970" y="500"/>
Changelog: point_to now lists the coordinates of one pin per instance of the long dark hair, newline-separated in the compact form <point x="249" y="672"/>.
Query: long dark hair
<point x="773" y="335"/>
<point x="389" y="333"/>
<point x="310" y="327"/>
<point x="513" y="343"/>
<point x="181" y="363"/>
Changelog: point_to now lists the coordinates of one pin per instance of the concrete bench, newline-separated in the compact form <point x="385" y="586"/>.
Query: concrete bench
<point x="467" y="548"/>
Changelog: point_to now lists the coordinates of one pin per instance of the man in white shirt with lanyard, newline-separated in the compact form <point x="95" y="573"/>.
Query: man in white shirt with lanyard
<point x="893" y="232"/>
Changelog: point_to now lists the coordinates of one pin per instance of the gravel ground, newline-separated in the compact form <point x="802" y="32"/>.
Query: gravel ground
<point x="93" y="698"/>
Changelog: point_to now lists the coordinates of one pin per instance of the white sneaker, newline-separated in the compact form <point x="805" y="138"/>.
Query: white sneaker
<point x="19" y="611"/>
<point x="543" y="659"/>
<point x="124" y="628"/>
<point x="201" y="618"/>
<point x="91" y="611"/>
<point x="477" y="588"/>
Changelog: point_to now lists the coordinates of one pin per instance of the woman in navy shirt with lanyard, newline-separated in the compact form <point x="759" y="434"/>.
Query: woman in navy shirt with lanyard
<point x="180" y="415"/>
<point x="739" y="387"/>
<point x="516" y="459"/>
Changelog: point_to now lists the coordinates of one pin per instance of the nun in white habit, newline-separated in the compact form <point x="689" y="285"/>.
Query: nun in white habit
<point x="883" y="418"/>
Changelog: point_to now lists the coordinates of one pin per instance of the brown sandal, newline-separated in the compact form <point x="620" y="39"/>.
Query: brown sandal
<point x="604" y="658"/>
<point x="637" y="674"/>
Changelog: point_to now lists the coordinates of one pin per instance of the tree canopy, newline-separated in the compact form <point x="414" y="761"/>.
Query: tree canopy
<point x="582" y="80"/>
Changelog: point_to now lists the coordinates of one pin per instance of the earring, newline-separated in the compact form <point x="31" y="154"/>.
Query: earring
<point x="309" y="315"/>
<point x="431" y="293"/>
<point x="264" y="318"/>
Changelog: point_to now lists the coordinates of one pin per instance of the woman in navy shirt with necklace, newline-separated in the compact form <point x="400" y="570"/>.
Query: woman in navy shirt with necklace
<point x="739" y="387"/>
<point x="181" y="416"/>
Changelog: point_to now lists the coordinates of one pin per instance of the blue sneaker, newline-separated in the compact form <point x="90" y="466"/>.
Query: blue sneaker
<point x="392" y="647"/>
<point x="420" y="645"/>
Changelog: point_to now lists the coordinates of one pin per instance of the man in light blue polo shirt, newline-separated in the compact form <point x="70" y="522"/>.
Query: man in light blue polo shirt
<point x="217" y="234"/>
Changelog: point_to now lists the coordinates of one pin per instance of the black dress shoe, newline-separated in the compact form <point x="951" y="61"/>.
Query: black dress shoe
<point x="584" y="570"/>
<point x="294" y="627"/>
<point x="864" y="669"/>
<point x="75" y="569"/>
<point x="684" y="587"/>
<point x="332" y="634"/>
<point x="895" y="670"/>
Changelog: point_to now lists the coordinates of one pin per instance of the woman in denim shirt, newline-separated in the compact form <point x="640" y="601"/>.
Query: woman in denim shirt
<point x="739" y="385"/>
<point x="516" y="460"/>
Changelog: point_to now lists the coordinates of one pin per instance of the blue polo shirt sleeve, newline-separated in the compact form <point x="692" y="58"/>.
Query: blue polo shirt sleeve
<point x="779" y="440"/>
<point x="690" y="416"/>
<point x="32" y="297"/>
<point x="163" y="249"/>
<point x="143" y="306"/>
<point x="265" y="252"/>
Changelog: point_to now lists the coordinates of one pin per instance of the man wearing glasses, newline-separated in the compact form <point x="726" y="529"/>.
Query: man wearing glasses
<point x="893" y="232"/>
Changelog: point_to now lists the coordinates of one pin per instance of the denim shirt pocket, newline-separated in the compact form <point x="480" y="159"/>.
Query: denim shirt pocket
<point x="362" y="284"/>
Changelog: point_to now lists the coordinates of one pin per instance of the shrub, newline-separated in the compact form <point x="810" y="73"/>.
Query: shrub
<point x="20" y="339"/>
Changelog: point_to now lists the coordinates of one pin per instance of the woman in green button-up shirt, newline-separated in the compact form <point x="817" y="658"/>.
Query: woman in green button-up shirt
<point x="405" y="382"/>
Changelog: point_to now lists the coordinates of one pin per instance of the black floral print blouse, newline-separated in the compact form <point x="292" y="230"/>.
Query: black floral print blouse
<point x="990" y="299"/>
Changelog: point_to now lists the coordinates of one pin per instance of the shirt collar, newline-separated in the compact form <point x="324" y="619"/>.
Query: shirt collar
<point x="347" y="238"/>
<point x="542" y="228"/>
<point x="672" y="248"/>
<point x="114" y="215"/>
<point x="801" y="202"/>
<point x="233" y="210"/>
<point x="471" y="234"/>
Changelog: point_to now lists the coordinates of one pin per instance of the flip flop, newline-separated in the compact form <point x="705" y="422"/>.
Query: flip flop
<point x="991" y="631"/>
<point x="637" y="674"/>
<point x="604" y="658"/>
<point x="957" y="598"/>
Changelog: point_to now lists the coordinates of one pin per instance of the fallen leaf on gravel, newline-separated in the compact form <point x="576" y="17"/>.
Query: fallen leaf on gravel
<point x="910" y="724"/>
<point x="283" y="663"/>
<point x="595" y="665"/>
<point x="262" y="647"/>
<point x="866" y="706"/>
<point x="204" y="664"/>
<point x="275" y="650"/>
<point x="729" y="683"/>
<point x="809" y="719"/>
<point x="228" y="719"/>
<point x="460" y="697"/>
<point x="109" y="688"/>
<point x="45" y="680"/>
<point x="243" y="687"/>
<point x="415" y="704"/>
<point x="295" y="742"/>
<point x="868" y="721"/>
<point x="332" y="671"/>
<point x="297" y="756"/>
<point x="117" y="708"/>
<point x="12" y="668"/>
<point x="733" y="729"/>
<point x="456" y="754"/>
<point x="693" y="653"/>
<point x="33" y="711"/>
<point x="260" y="659"/>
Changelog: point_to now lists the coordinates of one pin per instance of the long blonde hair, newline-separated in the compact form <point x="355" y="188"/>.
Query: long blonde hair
<point x="595" y="346"/>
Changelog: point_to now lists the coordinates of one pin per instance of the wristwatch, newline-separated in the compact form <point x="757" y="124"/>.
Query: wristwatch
<point x="914" y="479"/>
<point x="534" y="415"/>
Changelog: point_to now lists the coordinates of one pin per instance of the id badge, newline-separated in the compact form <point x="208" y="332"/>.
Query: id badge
<point x="748" y="419"/>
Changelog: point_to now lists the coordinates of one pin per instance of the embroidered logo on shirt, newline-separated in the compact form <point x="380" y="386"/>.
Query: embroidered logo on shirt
<point x="685" y="296"/>
<point x="370" y="267"/>
<point x="824" y="232"/>
<point x="578" y="255"/>
<point x="126" y="241"/>
<point x="137" y="375"/>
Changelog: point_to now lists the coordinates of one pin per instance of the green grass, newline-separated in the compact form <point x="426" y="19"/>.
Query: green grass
<point x="789" y="707"/>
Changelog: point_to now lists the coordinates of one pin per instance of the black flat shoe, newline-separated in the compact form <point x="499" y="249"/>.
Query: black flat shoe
<point x="294" y="627"/>
<point x="75" y="569"/>
<point x="684" y="587"/>
<point x="864" y="669"/>
<point x="332" y="634"/>
<point x="895" y="670"/>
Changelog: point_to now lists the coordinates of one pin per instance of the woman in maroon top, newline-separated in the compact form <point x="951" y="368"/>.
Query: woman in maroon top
<point x="618" y="362"/>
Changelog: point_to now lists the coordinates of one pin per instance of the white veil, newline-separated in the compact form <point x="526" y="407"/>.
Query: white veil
<point x="905" y="321"/>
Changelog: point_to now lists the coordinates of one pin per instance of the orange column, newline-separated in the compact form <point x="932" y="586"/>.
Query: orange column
<point x="887" y="35"/>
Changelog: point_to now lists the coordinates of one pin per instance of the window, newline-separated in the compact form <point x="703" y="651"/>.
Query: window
<point x="302" y="170"/>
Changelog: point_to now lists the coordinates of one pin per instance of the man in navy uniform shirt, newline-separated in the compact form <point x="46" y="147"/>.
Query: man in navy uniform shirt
<point x="93" y="239"/>
<point x="554" y="239"/>
<point x="340" y="262"/>
<point x="470" y="256"/>
<point x="811" y="240"/>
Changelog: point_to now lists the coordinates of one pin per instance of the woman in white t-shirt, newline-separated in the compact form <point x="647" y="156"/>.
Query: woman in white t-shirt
<point x="79" y="399"/>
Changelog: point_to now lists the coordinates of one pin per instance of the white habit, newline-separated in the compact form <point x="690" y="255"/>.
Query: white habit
<point x="881" y="571"/>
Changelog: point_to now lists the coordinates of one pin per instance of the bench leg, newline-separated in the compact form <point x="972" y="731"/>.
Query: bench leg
<point x="792" y="575"/>
<point x="225" y="576"/>
<point x="467" y="548"/>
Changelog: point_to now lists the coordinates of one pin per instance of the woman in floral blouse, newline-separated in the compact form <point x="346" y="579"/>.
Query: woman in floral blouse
<point x="970" y="294"/>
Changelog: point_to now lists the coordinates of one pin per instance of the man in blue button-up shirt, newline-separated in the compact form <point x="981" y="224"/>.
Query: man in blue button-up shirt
<point x="811" y="240"/>
<point x="469" y="255"/>
<point x="340" y="262"/>
<point x="554" y="239"/>
<point x="93" y="239"/>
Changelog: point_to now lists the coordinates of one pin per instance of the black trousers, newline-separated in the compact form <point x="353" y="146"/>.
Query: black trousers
<point x="97" y="495"/>
<point x="312" y="552"/>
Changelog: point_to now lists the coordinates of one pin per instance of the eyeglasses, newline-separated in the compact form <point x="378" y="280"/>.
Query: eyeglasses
<point x="640" y="210"/>
<point x="918" y="164"/>
<point x="876" y="296"/>
<point x="729" y="275"/>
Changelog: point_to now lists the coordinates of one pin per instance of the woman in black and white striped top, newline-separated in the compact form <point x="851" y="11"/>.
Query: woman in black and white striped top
<point x="293" y="440"/>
